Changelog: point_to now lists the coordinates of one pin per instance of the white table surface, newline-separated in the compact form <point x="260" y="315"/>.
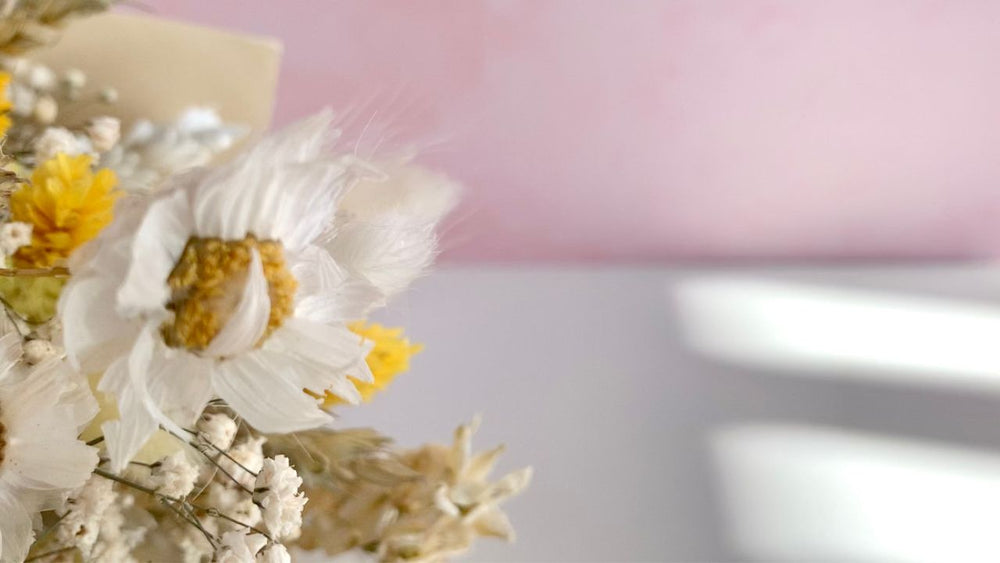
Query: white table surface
<point x="651" y="443"/>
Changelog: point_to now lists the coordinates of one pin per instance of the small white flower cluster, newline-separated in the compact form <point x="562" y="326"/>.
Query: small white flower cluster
<point x="247" y="547"/>
<point x="14" y="235"/>
<point x="36" y="91"/>
<point x="99" y="136"/>
<point x="94" y="522"/>
<point x="150" y="153"/>
<point x="174" y="476"/>
<point x="217" y="429"/>
<point x="249" y="503"/>
<point x="277" y="493"/>
<point x="33" y="89"/>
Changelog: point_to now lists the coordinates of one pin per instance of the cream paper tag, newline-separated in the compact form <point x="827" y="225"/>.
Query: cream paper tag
<point x="161" y="67"/>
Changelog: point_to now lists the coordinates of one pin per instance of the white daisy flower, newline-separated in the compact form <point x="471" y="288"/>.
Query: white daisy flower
<point x="41" y="414"/>
<point x="221" y="286"/>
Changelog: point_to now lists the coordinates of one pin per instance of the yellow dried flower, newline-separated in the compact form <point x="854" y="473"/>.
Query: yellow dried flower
<point x="5" y="103"/>
<point x="389" y="358"/>
<point x="67" y="204"/>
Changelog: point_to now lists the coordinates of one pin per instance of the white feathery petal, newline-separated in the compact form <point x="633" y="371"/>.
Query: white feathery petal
<point x="402" y="187"/>
<point x="387" y="229"/>
<point x="156" y="247"/>
<point x="306" y="203"/>
<point x="256" y="387"/>
<point x="390" y="252"/>
<point x="301" y="141"/>
<point x="327" y="293"/>
<point x="248" y="322"/>
<point x="283" y="184"/>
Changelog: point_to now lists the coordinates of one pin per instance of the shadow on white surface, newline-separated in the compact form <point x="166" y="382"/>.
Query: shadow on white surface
<point x="636" y="438"/>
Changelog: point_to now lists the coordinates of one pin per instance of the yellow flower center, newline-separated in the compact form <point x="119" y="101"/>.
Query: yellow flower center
<point x="207" y="283"/>
<point x="5" y="103"/>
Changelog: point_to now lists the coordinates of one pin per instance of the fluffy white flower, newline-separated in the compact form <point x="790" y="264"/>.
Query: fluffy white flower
<point x="274" y="553"/>
<point x="239" y="547"/>
<point x="46" y="109"/>
<point x="104" y="132"/>
<point x="41" y="77"/>
<point x="14" y="235"/>
<point x="101" y="523"/>
<point x="81" y="522"/>
<point x="22" y="99"/>
<point x="41" y="460"/>
<point x="218" y="287"/>
<point x="277" y="493"/>
<point x="217" y="429"/>
<point x="55" y="140"/>
<point x="245" y="456"/>
<point x="151" y="153"/>
<point x="75" y="79"/>
<point x="174" y="475"/>
<point x="233" y="502"/>
<point x="38" y="350"/>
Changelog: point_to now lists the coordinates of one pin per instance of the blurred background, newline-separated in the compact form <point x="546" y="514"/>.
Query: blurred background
<point x="722" y="270"/>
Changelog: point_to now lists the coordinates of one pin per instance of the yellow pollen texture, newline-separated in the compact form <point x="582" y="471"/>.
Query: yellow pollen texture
<point x="207" y="284"/>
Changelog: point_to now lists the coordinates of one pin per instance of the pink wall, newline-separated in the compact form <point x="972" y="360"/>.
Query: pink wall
<point x="655" y="130"/>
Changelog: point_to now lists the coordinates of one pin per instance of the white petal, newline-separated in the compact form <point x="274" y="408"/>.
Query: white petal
<point x="139" y="414"/>
<point x="256" y="387"/>
<point x="389" y="253"/>
<point x="281" y="189"/>
<point x="10" y="353"/>
<point x="315" y="372"/>
<point x="156" y="248"/>
<point x="387" y="233"/>
<point x="42" y="415"/>
<point x="15" y="528"/>
<point x="126" y="436"/>
<point x="333" y="346"/>
<point x="180" y="383"/>
<point x="50" y="464"/>
<point x="247" y="324"/>
<point x="327" y="293"/>
<point x="93" y="336"/>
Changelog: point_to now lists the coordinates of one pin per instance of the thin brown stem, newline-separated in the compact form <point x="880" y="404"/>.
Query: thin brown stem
<point x="56" y="272"/>
<point x="49" y="553"/>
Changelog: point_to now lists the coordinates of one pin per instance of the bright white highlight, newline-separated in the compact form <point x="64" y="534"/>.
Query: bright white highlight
<point x="792" y="327"/>
<point x="796" y="493"/>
